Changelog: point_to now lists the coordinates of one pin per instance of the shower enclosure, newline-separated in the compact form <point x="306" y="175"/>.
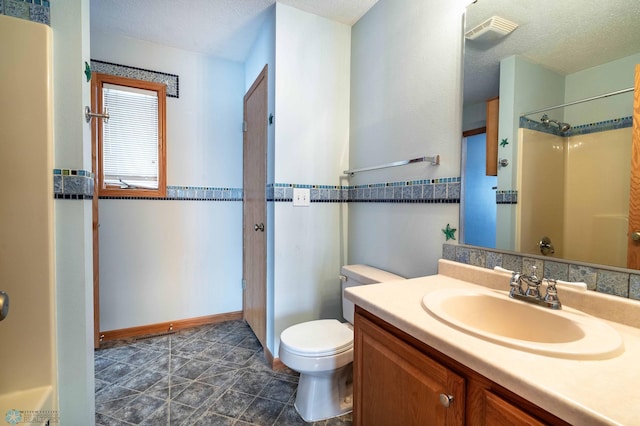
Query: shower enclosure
<point x="574" y="180"/>
<point x="28" y="362"/>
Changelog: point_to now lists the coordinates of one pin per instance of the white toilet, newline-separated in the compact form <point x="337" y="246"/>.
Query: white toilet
<point x="322" y="352"/>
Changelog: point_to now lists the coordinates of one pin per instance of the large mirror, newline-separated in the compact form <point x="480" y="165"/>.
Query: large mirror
<point x="560" y="52"/>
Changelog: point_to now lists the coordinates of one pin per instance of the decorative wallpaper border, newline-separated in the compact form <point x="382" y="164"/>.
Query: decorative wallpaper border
<point x="31" y="10"/>
<point x="609" y="280"/>
<point x="581" y="129"/>
<point x="171" y="80"/>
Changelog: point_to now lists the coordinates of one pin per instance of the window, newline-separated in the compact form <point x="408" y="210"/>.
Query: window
<point x="131" y="148"/>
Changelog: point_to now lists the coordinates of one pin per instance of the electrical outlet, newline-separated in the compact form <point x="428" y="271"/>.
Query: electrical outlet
<point x="301" y="197"/>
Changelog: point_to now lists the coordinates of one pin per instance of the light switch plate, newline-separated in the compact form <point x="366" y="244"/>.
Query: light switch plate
<point x="301" y="197"/>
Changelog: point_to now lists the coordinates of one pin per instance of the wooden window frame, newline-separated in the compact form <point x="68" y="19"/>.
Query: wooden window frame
<point x="97" y="82"/>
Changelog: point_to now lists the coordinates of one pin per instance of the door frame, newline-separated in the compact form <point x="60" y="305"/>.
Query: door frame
<point x="96" y="126"/>
<point x="633" y="247"/>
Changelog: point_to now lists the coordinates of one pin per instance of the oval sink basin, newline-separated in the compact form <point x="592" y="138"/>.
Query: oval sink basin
<point x="495" y="317"/>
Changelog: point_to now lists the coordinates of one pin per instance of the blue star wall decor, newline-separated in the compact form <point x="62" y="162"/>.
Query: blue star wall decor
<point x="449" y="232"/>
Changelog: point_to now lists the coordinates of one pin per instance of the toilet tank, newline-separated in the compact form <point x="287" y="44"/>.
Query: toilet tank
<point x="352" y="275"/>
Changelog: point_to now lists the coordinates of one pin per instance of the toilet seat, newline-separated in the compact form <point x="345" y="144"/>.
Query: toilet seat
<point x="317" y="338"/>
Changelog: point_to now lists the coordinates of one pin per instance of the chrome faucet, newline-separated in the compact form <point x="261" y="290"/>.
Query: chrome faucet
<point x="532" y="292"/>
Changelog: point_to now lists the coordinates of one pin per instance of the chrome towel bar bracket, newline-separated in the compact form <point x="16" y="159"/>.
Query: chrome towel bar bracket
<point x="88" y="115"/>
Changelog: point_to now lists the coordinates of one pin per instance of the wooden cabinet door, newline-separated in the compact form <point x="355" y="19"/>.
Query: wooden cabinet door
<point x="499" y="412"/>
<point x="395" y="384"/>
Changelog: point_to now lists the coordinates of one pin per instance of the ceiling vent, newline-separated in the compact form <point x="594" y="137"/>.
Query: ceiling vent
<point x="491" y="29"/>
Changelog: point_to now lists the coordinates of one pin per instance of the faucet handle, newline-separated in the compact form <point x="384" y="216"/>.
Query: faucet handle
<point x="551" y="287"/>
<point x="515" y="284"/>
<point x="533" y="284"/>
<point x="552" y="294"/>
<point x="534" y="269"/>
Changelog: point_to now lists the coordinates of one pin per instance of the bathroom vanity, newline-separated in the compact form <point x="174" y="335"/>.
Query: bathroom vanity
<point x="412" y="368"/>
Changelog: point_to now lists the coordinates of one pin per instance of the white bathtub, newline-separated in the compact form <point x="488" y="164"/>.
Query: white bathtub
<point x="33" y="404"/>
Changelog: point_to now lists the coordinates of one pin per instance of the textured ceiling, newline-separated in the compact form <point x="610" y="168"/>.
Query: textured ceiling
<point x="563" y="35"/>
<point x="223" y="28"/>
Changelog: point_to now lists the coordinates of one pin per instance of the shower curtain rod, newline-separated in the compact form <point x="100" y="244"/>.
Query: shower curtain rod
<point x="605" y="95"/>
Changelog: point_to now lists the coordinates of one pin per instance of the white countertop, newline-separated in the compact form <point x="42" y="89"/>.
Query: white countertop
<point x="578" y="391"/>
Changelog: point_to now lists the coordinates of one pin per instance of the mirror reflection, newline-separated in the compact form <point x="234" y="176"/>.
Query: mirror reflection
<point x="562" y="184"/>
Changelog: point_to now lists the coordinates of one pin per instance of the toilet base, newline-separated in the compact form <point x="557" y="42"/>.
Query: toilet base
<point x="326" y="394"/>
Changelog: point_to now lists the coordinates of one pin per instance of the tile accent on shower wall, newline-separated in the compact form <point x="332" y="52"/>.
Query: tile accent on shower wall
<point x="171" y="80"/>
<point x="597" y="277"/>
<point x="602" y="126"/>
<point x="526" y="123"/>
<point x="30" y="10"/>
<point x="579" y="129"/>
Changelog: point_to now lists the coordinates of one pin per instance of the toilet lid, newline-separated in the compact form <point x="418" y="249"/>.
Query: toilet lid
<point x="317" y="338"/>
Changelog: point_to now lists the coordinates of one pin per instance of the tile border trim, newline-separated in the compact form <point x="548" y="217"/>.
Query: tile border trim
<point x="601" y="278"/>
<point x="171" y="80"/>
<point x="580" y="129"/>
<point x="73" y="184"/>
<point x="509" y="196"/>
<point x="78" y="184"/>
<point x="441" y="190"/>
<point x="29" y="10"/>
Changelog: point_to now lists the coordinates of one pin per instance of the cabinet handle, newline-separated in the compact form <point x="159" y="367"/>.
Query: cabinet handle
<point x="446" y="400"/>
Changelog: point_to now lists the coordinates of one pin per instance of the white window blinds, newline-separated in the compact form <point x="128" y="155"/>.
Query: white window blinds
<point x="130" y="138"/>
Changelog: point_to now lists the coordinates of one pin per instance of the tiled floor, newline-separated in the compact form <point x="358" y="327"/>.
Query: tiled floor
<point x="211" y="375"/>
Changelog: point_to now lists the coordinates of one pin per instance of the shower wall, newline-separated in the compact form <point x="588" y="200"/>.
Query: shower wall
<point x="598" y="167"/>
<point x="575" y="190"/>
<point x="540" y="210"/>
<point x="27" y="363"/>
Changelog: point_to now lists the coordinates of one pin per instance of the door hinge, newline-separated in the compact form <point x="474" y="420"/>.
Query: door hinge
<point x="244" y="126"/>
<point x="244" y="283"/>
